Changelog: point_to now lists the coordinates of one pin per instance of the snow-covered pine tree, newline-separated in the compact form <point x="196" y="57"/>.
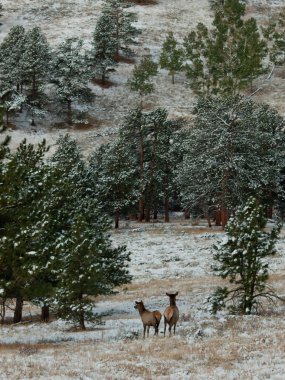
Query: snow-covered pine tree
<point x="243" y="259"/>
<point x="148" y="137"/>
<point x="71" y="75"/>
<point x="22" y="175"/>
<point x="225" y="59"/>
<point x="140" y="80"/>
<point x="159" y="162"/>
<point x="234" y="149"/>
<point x="171" y="57"/>
<point x="125" y="32"/>
<point x="85" y="262"/>
<point x="11" y="71"/>
<point x="36" y="60"/>
<point x="104" y="45"/>
<point x="11" y="56"/>
<point x="114" y="173"/>
<point x="274" y="33"/>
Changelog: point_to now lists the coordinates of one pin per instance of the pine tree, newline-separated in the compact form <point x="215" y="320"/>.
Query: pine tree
<point x="274" y="33"/>
<point x="104" y="47"/>
<point x="242" y="258"/>
<point x="87" y="265"/>
<point x="114" y="173"/>
<point x="171" y="57"/>
<point x="141" y="77"/>
<point x="11" y="60"/>
<point x="21" y="176"/>
<point x="36" y="60"/>
<point x="148" y="137"/>
<point x="71" y="75"/>
<point x="234" y="149"/>
<point x="227" y="58"/>
<point x="122" y="20"/>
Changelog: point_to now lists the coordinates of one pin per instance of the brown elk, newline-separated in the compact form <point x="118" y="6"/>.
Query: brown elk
<point x="149" y="318"/>
<point x="171" y="313"/>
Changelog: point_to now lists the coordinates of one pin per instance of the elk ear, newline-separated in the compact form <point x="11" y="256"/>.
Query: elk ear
<point x="141" y="301"/>
<point x="167" y="294"/>
<point x="136" y="302"/>
<point x="176" y="293"/>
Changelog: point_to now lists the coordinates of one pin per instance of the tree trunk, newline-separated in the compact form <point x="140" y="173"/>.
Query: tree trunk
<point x="147" y="215"/>
<point x="187" y="213"/>
<point x="224" y="217"/>
<point x="207" y="214"/>
<point x="217" y="216"/>
<point x="34" y="90"/>
<point x="103" y="77"/>
<point x="18" y="310"/>
<point x="116" y="220"/>
<point x="155" y="213"/>
<point x="82" y="322"/>
<point x="69" y="113"/>
<point x="166" y="209"/>
<point x="141" y="210"/>
<point x="3" y="310"/>
<point x="269" y="212"/>
<point x="81" y="316"/>
<point x="45" y="313"/>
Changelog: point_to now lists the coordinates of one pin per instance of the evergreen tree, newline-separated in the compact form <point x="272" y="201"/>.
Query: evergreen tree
<point x="87" y="265"/>
<point x="141" y="77"/>
<point x="171" y="57"/>
<point x="234" y="149"/>
<point x="22" y="175"/>
<point x="148" y="137"/>
<point x="104" y="47"/>
<point x="36" y="60"/>
<point x="122" y="21"/>
<point x="274" y="33"/>
<point x="227" y="58"/>
<point x="71" y="75"/>
<point x="11" y="60"/>
<point x="113" y="171"/>
<point x="242" y="258"/>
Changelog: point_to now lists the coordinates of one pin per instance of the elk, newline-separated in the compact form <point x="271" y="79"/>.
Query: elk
<point x="149" y="318"/>
<point x="171" y="313"/>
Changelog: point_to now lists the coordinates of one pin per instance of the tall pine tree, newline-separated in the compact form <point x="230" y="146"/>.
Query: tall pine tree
<point x="225" y="59"/>
<point x="122" y="21"/>
<point x="242" y="259"/>
<point x="171" y="57"/>
<point x="71" y="75"/>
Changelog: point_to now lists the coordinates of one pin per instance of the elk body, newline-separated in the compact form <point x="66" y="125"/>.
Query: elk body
<point x="149" y="318"/>
<point x="171" y="313"/>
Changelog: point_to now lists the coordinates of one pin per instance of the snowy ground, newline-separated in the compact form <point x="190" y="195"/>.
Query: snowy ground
<point x="165" y="257"/>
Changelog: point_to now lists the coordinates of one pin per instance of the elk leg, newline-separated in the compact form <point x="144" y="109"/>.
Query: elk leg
<point x="148" y="331"/>
<point x="156" y="329"/>
<point x="174" y="327"/>
<point x="144" y="328"/>
<point x="164" y="325"/>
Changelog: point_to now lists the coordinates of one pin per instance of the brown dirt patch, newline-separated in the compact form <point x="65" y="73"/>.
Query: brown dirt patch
<point x="105" y="84"/>
<point x="142" y="2"/>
